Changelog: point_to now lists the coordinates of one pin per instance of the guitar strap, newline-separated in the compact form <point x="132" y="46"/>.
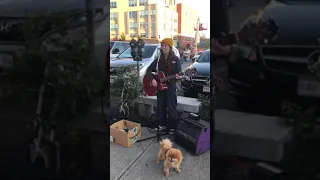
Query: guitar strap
<point x="157" y="68"/>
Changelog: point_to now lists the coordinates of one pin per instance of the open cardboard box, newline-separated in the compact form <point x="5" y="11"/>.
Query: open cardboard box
<point x="125" y="139"/>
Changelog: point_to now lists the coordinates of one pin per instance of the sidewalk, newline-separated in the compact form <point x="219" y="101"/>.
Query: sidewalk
<point x="139" y="162"/>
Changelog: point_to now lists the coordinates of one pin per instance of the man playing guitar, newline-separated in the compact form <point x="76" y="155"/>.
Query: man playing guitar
<point x="167" y="99"/>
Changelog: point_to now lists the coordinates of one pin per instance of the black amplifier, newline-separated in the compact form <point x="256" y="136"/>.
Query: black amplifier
<point x="193" y="135"/>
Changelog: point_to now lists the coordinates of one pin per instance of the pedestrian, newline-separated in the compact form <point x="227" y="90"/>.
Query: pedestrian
<point x="167" y="99"/>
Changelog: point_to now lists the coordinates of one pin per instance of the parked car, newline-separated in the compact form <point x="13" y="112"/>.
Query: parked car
<point x="117" y="47"/>
<point x="279" y="70"/>
<point x="196" y="77"/>
<point x="125" y="59"/>
<point x="196" y="57"/>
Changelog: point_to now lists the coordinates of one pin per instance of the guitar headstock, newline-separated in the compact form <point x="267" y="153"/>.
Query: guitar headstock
<point x="256" y="32"/>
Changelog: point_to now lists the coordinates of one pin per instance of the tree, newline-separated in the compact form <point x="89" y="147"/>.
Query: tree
<point x="205" y="40"/>
<point x="122" y="37"/>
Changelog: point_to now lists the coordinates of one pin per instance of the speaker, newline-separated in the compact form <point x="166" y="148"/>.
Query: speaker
<point x="193" y="135"/>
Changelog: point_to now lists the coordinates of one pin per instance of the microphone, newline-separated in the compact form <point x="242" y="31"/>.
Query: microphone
<point x="161" y="51"/>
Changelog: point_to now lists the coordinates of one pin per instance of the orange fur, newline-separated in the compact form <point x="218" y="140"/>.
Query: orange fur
<point x="172" y="157"/>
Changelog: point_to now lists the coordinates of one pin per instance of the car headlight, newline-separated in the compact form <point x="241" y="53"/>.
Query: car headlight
<point x="190" y="71"/>
<point x="187" y="78"/>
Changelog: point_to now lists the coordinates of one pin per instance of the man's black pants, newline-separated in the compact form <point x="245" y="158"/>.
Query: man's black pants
<point x="167" y="104"/>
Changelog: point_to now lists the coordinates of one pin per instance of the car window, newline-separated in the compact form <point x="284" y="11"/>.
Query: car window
<point x="111" y="45"/>
<point x="126" y="45"/>
<point x="119" y="46"/>
<point x="204" y="57"/>
<point x="148" y="52"/>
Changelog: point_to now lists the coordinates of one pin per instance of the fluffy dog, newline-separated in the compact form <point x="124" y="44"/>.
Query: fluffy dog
<point x="165" y="145"/>
<point x="172" y="157"/>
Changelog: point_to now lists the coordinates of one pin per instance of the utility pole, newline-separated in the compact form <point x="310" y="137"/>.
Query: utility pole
<point x="196" y="37"/>
<point x="219" y="18"/>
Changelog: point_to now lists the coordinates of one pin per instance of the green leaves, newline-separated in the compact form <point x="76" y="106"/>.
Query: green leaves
<point x="303" y="152"/>
<point x="128" y="82"/>
<point x="71" y="84"/>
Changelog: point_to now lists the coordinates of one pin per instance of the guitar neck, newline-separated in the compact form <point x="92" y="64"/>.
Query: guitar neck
<point x="167" y="78"/>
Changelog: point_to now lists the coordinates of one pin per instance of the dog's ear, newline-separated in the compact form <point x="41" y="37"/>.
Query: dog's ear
<point x="161" y="143"/>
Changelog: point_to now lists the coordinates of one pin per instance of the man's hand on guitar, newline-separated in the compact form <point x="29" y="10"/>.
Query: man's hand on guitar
<point x="154" y="83"/>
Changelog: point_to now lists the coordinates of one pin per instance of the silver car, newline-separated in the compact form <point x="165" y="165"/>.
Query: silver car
<point x="117" y="47"/>
<point x="125" y="59"/>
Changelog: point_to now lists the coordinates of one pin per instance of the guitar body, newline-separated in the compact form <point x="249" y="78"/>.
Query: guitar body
<point x="162" y="86"/>
<point x="151" y="90"/>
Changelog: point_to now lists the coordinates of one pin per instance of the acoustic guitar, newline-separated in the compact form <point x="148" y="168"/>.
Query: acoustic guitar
<point x="161" y="78"/>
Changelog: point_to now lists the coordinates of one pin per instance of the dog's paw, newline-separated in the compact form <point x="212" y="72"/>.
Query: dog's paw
<point x="158" y="162"/>
<point x="178" y="170"/>
<point x="166" y="172"/>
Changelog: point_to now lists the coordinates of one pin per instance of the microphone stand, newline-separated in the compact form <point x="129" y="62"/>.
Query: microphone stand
<point x="158" y="114"/>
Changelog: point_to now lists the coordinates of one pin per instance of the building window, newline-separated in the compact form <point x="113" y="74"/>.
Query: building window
<point x="133" y="26"/>
<point x="144" y="25"/>
<point x="144" y="14"/>
<point x="113" y="27"/>
<point x="133" y="35"/>
<point x="133" y="14"/>
<point x="143" y="35"/>
<point x="132" y="3"/>
<point x="153" y="6"/>
<point x="113" y="4"/>
<point x="153" y="35"/>
<point x="152" y="12"/>
<point x="143" y="2"/>
<point x="153" y="25"/>
<point x="113" y="16"/>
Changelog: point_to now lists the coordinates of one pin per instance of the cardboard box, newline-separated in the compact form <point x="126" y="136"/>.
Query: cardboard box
<point x="125" y="139"/>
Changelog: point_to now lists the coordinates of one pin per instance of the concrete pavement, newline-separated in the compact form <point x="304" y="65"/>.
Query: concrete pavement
<point x="139" y="162"/>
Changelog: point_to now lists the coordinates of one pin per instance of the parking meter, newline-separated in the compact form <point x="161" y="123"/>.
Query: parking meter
<point x="137" y="51"/>
<point x="134" y="49"/>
